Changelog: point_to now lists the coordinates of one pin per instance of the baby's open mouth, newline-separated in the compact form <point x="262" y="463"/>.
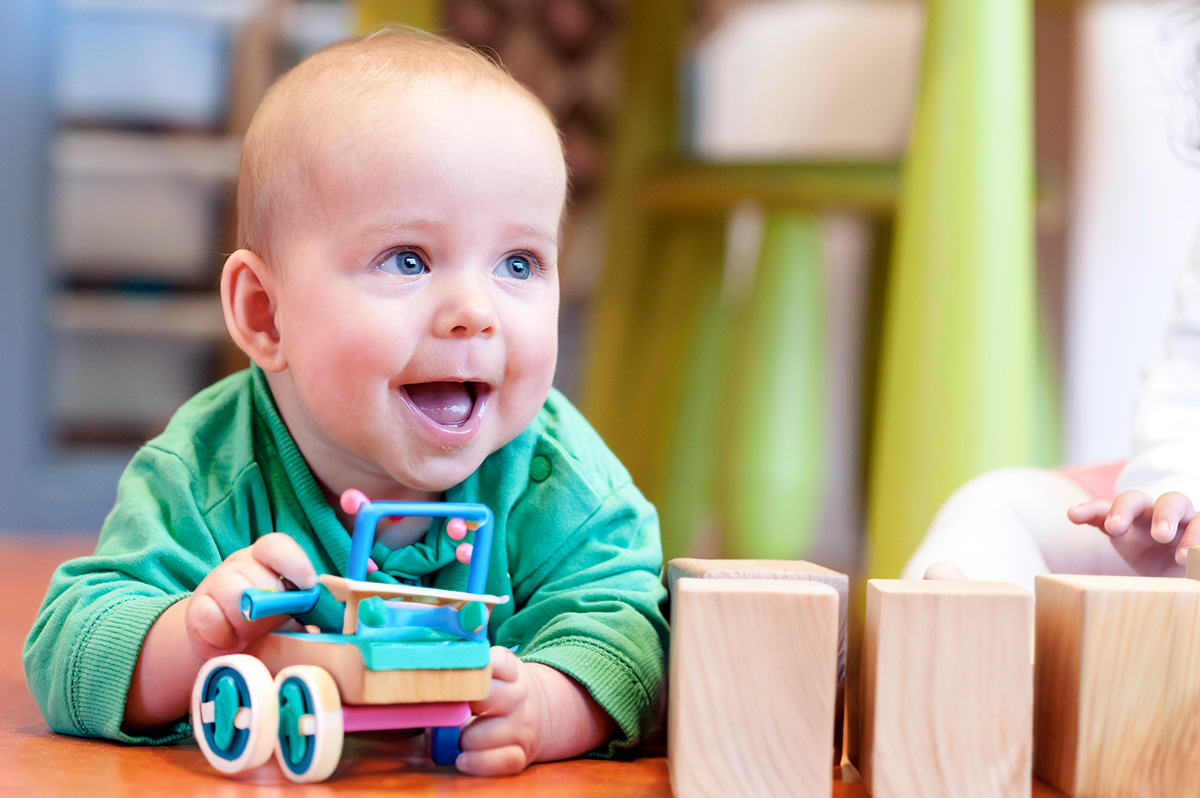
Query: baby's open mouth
<point x="447" y="403"/>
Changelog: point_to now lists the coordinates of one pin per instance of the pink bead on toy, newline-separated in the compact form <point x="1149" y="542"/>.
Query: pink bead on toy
<point x="456" y="529"/>
<point x="352" y="500"/>
<point x="463" y="552"/>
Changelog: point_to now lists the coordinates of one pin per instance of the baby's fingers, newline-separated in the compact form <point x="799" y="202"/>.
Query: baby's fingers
<point x="207" y="623"/>
<point x="282" y="555"/>
<point x="502" y="699"/>
<point x="1170" y="511"/>
<point x="1191" y="537"/>
<point x="507" y="691"/>
<point x="1126" y="509"/>
<point x="506" y="761"/>
<point x="213" y="615"/>
<point x="1090" y="512"/>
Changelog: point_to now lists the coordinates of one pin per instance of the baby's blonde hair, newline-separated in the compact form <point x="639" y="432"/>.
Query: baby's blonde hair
<point x="336" y="80"/>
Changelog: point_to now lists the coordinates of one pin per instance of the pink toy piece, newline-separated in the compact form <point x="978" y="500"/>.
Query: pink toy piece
<point x="377" y="717"/>
<point x="371" y="566"/>
<point x="352" y="500"/>
<point x="395" y="519"/>
<point x="463" y="552"/>
<point x="456" y="529"/>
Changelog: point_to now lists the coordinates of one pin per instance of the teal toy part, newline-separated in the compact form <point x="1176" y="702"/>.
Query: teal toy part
<point x="372" y="612"/>
<point x="227" y="702"/>
<point x="473" y="617"/>
<point x="294" y="703"/>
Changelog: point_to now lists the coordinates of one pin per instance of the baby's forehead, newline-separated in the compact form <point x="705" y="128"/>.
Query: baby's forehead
<point x="331" y="111"/>
<point x="343" y="108"/>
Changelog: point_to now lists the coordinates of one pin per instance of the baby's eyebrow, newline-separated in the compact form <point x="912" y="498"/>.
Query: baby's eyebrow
<point x="550" y="239"/>
<point x="401" y="224"/>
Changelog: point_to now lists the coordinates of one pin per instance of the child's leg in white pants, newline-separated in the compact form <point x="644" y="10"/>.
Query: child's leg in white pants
<point x="1010" y="525"/>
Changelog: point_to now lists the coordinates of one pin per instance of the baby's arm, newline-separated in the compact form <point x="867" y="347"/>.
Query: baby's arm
<point x="586" y="594"/>
<point x="1151" y="535"/>
<point x="206" y="624"/>
<point x="533" y="713"/>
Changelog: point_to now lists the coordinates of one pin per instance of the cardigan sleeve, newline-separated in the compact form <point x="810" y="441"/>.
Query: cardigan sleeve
<point x="154" y="548"/>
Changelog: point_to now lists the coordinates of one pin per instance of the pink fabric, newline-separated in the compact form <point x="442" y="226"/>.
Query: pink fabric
<point x="1100" y="480"/>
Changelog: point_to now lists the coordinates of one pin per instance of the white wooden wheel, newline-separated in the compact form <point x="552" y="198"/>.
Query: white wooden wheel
<point x="308" y="744"/>
<point x="235" y="712"/>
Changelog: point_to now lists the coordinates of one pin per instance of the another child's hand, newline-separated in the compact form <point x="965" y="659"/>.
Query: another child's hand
<point x="1152" y="536"/>
<point x="213" y="617"/>
<point x="505" y="736"/>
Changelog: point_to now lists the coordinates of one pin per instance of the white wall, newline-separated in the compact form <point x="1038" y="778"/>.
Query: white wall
<point x="1135" y="210"/>
<point x="808" y="78"/>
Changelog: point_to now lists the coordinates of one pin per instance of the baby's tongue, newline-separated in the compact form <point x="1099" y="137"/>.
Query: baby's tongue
<point x="447" y="403"/>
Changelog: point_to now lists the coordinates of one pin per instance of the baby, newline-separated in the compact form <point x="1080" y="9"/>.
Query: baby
<point x="396" y="288"/>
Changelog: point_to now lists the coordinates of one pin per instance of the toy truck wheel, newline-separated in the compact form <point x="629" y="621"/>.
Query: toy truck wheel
<point x="443" y="745"/>
<point x="235" y="712"/>
<point x="309" y="743"/>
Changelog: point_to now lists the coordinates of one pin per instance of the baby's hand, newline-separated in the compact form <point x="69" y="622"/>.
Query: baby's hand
<point x="506" y="733"/>
<point x="213" y="616"/>
<point x="1152" y="536"/>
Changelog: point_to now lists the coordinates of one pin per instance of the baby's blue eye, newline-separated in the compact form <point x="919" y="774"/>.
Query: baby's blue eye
<point x="405" y="262"/>
<point x="518" y="267"/>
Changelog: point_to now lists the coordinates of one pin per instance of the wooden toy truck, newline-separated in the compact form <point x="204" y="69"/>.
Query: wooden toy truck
<point x="407" y="657"/>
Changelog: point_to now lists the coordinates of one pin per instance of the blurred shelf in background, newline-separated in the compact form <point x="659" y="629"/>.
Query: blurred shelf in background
<point x="151" y="98"/>
<point x="126" y="361"/>
<point x="137" y="206"/>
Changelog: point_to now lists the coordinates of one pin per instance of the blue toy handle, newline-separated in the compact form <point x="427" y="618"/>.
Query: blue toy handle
<point x="257" y="603"/>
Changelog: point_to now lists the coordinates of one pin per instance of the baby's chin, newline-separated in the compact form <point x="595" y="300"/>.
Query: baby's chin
<point x="438" y="472"/>
<point x="438" y="476"/>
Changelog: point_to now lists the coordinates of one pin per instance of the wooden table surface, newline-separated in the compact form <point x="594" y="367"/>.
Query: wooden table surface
<point x="37" y="762"/>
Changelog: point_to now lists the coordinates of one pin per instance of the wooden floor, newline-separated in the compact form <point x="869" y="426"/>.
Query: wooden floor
<point x="36" y="762"/>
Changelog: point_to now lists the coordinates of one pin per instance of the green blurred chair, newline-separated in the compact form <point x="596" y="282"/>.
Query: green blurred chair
<point x="958" y="373"/>
<point x="716" y="407"/>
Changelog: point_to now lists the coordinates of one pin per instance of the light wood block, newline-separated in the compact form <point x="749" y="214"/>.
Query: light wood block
<point x="947" y="689"/>
<point x="691" y="567"/>
<point x="1117" y="675"/>
<point x="1192" y="569"/>
<point x="752" y="687"/>
<point x="358" y="685"/>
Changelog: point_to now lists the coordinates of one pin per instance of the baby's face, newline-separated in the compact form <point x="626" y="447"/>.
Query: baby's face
<point x="417" y="306"/>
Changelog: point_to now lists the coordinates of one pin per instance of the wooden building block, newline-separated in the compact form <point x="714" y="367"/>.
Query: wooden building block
<point x="947" y="689"/>
<point x="691" y="567"/>
<point x="1117" y="685"/>
<point x="752" y="687"/>
<point x="1192" y="569"/>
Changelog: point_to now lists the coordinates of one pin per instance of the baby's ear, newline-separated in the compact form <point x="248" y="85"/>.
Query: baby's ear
<point x="248" y="299"/>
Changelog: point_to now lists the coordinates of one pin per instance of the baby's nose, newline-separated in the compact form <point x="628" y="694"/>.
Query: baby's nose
<point x="466" y="312"/>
